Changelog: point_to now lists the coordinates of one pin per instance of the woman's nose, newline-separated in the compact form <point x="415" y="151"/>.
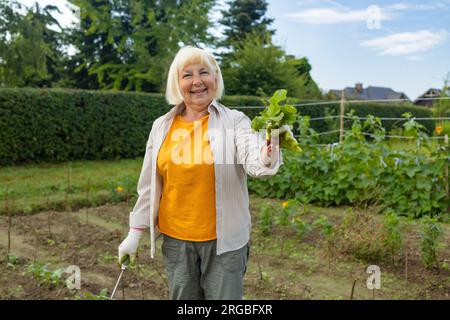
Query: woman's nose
<point x="196" y="80"/>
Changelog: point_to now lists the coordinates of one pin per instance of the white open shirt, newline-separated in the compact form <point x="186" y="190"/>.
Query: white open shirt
<point x="236" y="149"/>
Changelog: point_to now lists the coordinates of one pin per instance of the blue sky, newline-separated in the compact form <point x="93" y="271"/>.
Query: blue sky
<point x="404" y="45"/>
<point x="408" y="50"/>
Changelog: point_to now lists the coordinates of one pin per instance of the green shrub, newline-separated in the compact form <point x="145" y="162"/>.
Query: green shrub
<point x="392" y="236"/>
<point x="363" y="172"/>
<point x="266" y="219"/>
<point x="359" y="235"/>
<point x="45" y="276"/>
<point x="57" y="125"/>
<point x="431" y="233"/>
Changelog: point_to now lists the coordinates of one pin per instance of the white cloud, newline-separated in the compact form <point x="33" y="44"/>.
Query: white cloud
<point x="407" y="43"/>
<point x="414" y="58"/>
<point x="411" y="6"/>
<point x="334" y="15"/>
<point x="337" y="13"/>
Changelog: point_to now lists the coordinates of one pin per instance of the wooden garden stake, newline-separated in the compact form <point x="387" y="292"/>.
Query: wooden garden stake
<point x="406" y="262"/>
<point x="88" y="200"/>
<point x="49" y="220"/>
<point x="8" y="212"/>
<point x="282" y="243"/>
<point x="261" y="278"/>
<point x="353" y="289"/>
<point x="446" y="174"/>
<point x="36" y="242"/>
<point x="66" y="200"/>
<point x="341" y="131"/>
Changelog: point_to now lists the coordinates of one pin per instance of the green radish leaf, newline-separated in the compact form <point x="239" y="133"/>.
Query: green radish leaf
<point x="278" y="96"/>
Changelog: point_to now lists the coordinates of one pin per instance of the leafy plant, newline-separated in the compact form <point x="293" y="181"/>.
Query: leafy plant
<point x="364" y="170"/>
<point x="288" y="211"/>
<point x="329" y="232"/>
<point x="430" y="234"/>
<point x="275" y="116"/>
<point x="107" y="257"/>
<point x="300" y="226"/>
<point x="44" y="275"/>
<point x="12" y="260"/>
<point x="266" y="220"/>
<point x="103" y="295"/>
<point x="392" y="237"/>
<point x="326" y="228"/>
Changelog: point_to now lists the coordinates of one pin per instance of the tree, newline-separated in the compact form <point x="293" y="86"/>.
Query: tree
<point x="94" y="39"/>
<point x="303" y="67"/>
<point x="258" y="67"/>
<point x="30" y="50"/>
<point x="245" y="17"/>
<point x="129" y="44"/>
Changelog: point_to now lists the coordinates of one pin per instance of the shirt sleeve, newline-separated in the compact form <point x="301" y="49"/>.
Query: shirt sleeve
<point x="249" y="146"/>
<point x="140" y="216"/>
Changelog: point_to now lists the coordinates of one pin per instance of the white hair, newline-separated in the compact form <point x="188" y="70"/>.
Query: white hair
<point x="186" y="56"/>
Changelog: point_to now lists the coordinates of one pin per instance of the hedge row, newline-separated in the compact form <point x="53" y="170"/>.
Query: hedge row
<point x="55" y="125"/>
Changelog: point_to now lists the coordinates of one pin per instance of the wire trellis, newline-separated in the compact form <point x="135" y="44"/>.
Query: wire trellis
<point x="345" y="101"/>
<point x="371" y="134"/>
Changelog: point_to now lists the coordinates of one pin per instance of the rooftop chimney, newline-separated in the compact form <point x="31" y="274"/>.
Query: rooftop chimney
<point x="359" y="87"/>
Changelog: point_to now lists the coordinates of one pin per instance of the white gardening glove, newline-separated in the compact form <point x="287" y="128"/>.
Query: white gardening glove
<point x="129" y="246"/>
<point x="269" y="152"/>
<point x="280" y="130"/>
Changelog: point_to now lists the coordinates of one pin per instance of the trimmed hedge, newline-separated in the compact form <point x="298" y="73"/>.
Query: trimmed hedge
<point x="56" y="125"/>
<point x="59" y="125"/>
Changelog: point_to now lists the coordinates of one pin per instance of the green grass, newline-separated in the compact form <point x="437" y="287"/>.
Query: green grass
<point x="34" y="188"/>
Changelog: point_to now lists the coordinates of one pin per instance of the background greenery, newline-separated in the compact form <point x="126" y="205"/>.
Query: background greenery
<point x="129" y="45"/>
<point x="55" y="125"/>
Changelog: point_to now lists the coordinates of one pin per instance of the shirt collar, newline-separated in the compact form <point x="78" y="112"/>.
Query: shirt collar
<point x="213" y="106"/>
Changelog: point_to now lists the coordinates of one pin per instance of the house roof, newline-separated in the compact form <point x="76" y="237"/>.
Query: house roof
<point x="430" y="93"/>
<point x="371" y="93"/>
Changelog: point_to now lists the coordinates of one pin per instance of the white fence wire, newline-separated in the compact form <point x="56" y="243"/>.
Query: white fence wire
<point x="346" y="102"/>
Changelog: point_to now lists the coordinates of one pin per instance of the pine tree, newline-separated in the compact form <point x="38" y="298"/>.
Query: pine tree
<point x="242" y="18"/>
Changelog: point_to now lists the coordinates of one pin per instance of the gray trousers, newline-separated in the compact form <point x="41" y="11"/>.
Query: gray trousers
<point x="196" y="272"/>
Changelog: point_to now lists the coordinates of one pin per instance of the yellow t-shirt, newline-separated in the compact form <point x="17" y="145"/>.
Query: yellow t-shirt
<point x="187" y="209"/>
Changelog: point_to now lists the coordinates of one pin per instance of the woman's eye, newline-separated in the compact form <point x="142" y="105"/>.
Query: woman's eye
<point x="204" y="72"/>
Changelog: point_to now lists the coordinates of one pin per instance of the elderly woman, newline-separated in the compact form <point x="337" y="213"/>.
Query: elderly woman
<point x="192" y="188"/>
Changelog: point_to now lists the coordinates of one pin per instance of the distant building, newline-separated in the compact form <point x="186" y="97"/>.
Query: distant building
<point x="370" y="93"/>
<point x="423" y="99"/>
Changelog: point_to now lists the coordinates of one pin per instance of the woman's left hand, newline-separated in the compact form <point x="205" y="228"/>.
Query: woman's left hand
<point x="268" y="151"/>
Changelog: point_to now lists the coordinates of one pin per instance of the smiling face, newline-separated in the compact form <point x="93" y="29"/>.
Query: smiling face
<point x="198" y="86"/>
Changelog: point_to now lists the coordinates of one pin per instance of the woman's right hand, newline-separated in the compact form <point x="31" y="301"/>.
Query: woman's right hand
<point x="129" y="246"/>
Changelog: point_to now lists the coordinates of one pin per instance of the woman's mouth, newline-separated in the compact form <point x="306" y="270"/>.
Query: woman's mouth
<point x="198" y="92"/>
